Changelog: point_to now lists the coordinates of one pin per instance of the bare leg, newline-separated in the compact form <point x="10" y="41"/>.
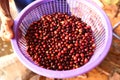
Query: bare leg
<point x="115" y="74"/>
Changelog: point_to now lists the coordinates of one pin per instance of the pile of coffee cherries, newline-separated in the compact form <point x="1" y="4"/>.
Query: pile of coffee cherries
<point x="60" y="42"/>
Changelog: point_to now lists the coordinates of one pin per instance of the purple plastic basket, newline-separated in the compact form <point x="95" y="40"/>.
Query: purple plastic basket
<point x="89" y="12"/>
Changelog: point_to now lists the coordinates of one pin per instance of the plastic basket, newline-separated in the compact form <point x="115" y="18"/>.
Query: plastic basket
<point x="89" y="12"/>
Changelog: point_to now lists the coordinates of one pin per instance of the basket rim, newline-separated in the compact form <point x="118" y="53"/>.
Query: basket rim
<point x="51" y="73"/>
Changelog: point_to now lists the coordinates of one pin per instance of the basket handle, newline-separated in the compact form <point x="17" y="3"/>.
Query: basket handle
<point x="114" y="27"/>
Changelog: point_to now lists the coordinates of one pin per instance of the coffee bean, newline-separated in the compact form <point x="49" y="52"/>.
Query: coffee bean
<point x="60" y="42"/>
